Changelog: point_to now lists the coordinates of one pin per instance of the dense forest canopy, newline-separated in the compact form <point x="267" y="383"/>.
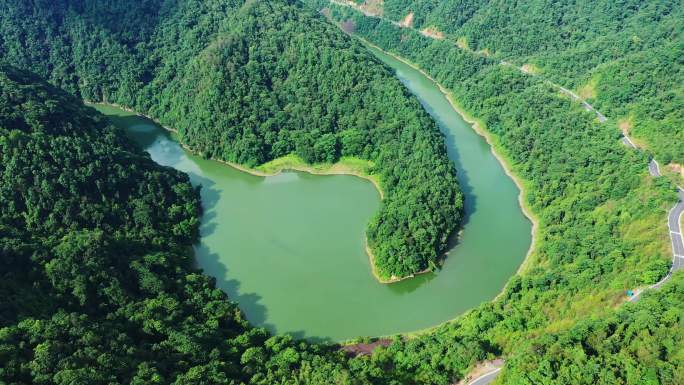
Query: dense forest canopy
<point x="101" y="290"/>
<point x="602" y="219"/>
<point x="248" y="83"/>
<point x="97" y="280"/>
<point x="625" y="57"/>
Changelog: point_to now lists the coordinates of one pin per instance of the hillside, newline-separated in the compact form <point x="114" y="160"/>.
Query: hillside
<point x="98" y="289"/>
<point x="249" y="83"/>
<point x="602" y="218"/>
<point x="97" y="281"/>
<point x="98" y="284"/>
<point x="623" y="57"/>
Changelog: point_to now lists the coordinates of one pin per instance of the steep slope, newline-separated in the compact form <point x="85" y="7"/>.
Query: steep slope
<point x="248" y="83"/>
<point x="638" y="344"/>
<point x="602" y="218"/>
<point x="623" y="57"/>
<point x="150" y="318"/>
<point x="97" y="283"/>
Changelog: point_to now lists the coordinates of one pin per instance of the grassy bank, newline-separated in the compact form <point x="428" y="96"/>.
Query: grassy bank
<point x="347" y="165"/>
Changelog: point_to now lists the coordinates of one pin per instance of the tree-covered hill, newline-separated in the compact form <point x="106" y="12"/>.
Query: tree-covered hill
<point x="602" y="218"/>
<point x="625" y="57"/>
<point x="98" y="286"/>
<point x="248" y="83"/>
<point x="96" y="280"/>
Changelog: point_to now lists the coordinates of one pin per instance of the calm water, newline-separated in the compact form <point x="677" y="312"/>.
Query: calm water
<point x="290" y="248"/>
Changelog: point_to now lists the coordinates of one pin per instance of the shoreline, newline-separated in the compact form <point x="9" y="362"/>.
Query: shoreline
<point x="478" y="127"/>
<point x="393" y="279"/>
<point x="310" y="169"/>
<point x="157" y="122"/>
<point x="304" y="168"/>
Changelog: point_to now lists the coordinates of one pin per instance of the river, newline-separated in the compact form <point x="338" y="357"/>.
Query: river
<point x="289" y="249"/>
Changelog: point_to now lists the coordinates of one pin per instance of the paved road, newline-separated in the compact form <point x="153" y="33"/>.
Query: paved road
<point x="602" y="118"/>
<point x="627" y="142"/>
<point x="654" y="168"/>
<point x="677" y="239"/>
<point x="673" y="223"/>
<point x="676" y="235"/>
<point x="486" y="378"/>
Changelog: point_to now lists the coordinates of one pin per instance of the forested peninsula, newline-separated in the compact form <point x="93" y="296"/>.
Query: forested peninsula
<point x="248" y="83"/>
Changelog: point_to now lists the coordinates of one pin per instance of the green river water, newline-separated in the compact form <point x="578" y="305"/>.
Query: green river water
<point x="289" y="249"/>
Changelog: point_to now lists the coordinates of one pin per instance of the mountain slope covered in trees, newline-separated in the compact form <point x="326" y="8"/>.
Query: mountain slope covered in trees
<point x="602" y="219"/>
<point x="98" y="286"/>
<point x="624" y="57"/>
<point x="248" y="83"/>
<point x="97" y="280"/>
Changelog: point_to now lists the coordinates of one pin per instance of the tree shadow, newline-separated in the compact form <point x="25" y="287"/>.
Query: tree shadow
<point x="301" y="335"/>
<point x="249" y="303"/>
<point x="146" y="134"/>
<point x="210" y="197"/>
<point x="412" y="284"/>
<point x="470" y="200"/>
<point x="142" y="131"/>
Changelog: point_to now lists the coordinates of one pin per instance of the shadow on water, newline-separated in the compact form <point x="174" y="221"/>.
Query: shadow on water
<point x="469" y="197"/>
<point x="218" y="270"/>
<point x="211" y="261"/>
<point x="139" y="129"/>
<point x="145" y="134"/>
<point x="410" y="285"/>
<point x="301" y="335"/>
<point x="470" y="200"/>
<point x="210" y="197"/>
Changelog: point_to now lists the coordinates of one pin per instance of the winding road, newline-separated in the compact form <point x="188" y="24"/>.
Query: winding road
<point x="602" y="118"/>
<point x="486" y="378"/>
<point x="654" y="168"/>
<point x="674" y="227"/>
<point x="674" y="224"/>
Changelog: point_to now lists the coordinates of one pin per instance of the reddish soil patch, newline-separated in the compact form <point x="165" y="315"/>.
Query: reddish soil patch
<point x="408" y="21"/>
<point x="365" y="349"/>
<point x="433" y="33"/>
<point x="530" y="69"/>
<point x="676" y="168"/>
<point x="625" y="125"/>
<point x="373" y="7"/>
